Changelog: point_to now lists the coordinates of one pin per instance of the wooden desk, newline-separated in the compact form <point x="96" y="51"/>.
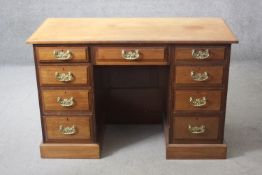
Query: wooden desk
<point x="93" y="71"/>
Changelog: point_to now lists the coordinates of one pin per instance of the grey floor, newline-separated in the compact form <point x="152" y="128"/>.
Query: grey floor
<point x="129" y="149"/>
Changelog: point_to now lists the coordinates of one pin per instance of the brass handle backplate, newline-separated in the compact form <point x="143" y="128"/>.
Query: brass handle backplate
<point x="198" y="102"/>
<point x="130" y="55"/>
<point x="67" y="130"/>
<point x="197" y="129"/>
<point x="200" y="54"/>
<point x="66" y="102"/>
<point x="63" y="55"/>
<point x="64" y="77"/>
<point x="199" y="76"/>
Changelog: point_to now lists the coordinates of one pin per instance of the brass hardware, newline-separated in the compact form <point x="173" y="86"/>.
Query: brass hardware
<point x="198" y="102"/>
<point x="200" y="54"/>
<point x="66" y="102"/>
<point x="63" y="55"/>
<point x="197" y="129"/>
<point x="199" y="76"/>
<point x="130" y="55"/>
<point x="67" y="130"/>
<point x="64" y="77"/>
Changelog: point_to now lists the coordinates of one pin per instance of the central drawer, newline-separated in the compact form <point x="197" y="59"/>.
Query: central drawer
<point x="130" y="56"/>
<point x="66" y="100"/>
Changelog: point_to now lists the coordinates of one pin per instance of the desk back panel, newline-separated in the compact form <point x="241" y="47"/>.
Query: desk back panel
<point x="132" y="94"/>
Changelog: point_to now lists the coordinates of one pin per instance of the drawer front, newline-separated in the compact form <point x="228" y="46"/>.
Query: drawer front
<point x="195" y="127"/>
<point x="67" y="128"/>
<point x="64" y="75"/>
<point x="199" y="75"/>
<point x="199" y="53"/>
<point x="197" y="100"/>
<point x="66" y="100"/>
<point x="130" y="55"/>
<point x="62" y="54"/>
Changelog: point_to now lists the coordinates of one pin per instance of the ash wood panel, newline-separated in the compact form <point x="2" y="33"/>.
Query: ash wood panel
<point x="46" y="54"/>
<point x="185" y="53"/>
<point x="81" y="75"/>
<point x="147" y="56"/>
<point x="196" y="151"/>
<point x="130" y="30"/>
<point x="82" y="125"/>
<point x="182" y="99"/>
<point x="70" y="151"/>
<point x="183" y="75"/>
<point x="181" y="124"/>
<point x="82" y="99"/>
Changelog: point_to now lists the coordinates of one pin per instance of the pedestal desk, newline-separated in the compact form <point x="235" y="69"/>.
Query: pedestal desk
<point x="95" y="71"/>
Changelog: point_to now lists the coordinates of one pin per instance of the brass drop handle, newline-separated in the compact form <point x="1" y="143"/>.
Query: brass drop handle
<point x="130" y="55"/>
<point x="200" y="54"/>
<point x="66" y="102"/>
<point x="64" y="77"/>
<point x="67" y="130"/>
<point x="63" y="55"/>
<point x="197" y="129"/>
<point x="198" y="102"/>
<point x="199" y="76"/>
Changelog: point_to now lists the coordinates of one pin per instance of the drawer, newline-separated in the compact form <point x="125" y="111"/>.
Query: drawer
<point x="195" y="127"/>
<point x="199" y="75"/>
<point x="66" y="100"/>
<point x="202" y="100"/>
<point x="199" y="53"/>
<point x="64" y="75"/>
<point x="61" y="54"/>
<point x="130" y="56"/>
<point x="67" y="128"/>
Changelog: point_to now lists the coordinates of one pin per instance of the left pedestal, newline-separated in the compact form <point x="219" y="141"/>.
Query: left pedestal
<point x="66" y="100"/>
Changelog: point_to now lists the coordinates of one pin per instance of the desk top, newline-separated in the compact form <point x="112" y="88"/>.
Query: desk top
<point x="132" y="30"/>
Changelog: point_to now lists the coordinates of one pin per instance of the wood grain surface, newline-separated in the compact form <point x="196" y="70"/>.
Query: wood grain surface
<point x="130" y="30"/>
